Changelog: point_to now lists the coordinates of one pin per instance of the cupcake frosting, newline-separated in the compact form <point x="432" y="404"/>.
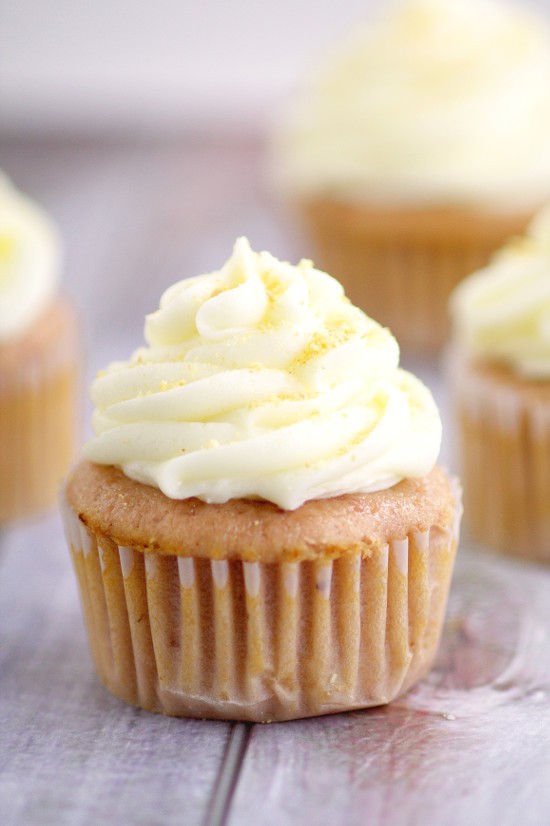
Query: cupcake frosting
<point x="29" y="261"/>
<point x="437" y="101"/>
<point x="502" y="312"/>
<point x="262" y="380"/>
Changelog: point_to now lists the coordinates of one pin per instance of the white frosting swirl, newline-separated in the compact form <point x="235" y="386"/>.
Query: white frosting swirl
<point x="29" y="261"/>
<point x="502" y="312"/>
<point x="439" y="101"/>
<point x="263" y="381"/>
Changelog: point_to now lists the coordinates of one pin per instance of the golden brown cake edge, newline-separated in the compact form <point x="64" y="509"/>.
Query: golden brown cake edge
<point x="139" y="516"/>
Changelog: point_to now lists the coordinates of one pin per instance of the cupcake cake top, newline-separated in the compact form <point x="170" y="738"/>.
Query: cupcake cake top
<point x="502" y="313"/>
<point x="262" y="380"/>
<point x="436" y="101"/>
<point x="29" y="261"/>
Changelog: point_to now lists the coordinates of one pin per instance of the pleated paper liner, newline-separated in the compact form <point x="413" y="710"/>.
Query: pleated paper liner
<point x="38" y="412"/>
<point x="400" y="266"/>
<point x="504" y="426"/>
<point x="262" y="641"/>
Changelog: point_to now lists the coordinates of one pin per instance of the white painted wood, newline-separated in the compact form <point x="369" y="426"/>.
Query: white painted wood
<point x="471" y="744"/>
<point x="71" y="753"/>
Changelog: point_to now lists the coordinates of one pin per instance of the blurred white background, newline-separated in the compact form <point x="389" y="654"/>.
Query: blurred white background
<point x="161" y="64"/>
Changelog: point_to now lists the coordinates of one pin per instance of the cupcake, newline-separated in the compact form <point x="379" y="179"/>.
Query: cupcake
<point x="259" y="529"/>
<point x="421" y="147"/>
<point x="500" y="370"/>
<point x="38" y="360"/>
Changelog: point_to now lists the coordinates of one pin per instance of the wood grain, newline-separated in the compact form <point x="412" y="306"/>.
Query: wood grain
<point x="468" y="745"/>
<point x="71" y="753"/>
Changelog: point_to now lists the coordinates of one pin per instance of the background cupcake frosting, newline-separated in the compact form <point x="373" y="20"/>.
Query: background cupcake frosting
<point x="434" y="101"/>
<point x="30" y="261"/>
<point x="502" y="313"/>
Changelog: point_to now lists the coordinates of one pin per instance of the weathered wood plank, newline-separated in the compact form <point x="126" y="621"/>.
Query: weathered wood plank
<point x="469" y="745"/>
<point x="70" y="752"/>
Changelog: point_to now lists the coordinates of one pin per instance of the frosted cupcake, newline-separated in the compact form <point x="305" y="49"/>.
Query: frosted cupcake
<point x="38" y="360"/>
<point x="258" y="528"/>
<point x="422" y="146"/>
<point x="501" y="377"/>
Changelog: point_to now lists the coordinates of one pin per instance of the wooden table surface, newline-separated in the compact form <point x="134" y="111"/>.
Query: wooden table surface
<point x="471" y="744"/>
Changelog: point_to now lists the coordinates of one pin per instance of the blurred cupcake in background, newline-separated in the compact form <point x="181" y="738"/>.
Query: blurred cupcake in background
<point x="39" y="353"/>
<point x="500" y="365"/>
<point x="422" y="145"/>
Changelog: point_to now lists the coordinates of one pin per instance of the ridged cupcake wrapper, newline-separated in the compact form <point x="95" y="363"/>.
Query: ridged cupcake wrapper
<point x="402" y="270"/>
<point x="505" y="455"/>
<point x="262" y="642"/>
<point x="38" y="424"/>
<point x="404" y="285"/>
<point x="410" y="288"/>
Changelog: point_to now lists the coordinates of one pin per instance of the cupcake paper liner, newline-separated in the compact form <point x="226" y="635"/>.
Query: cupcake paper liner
<point x="38" y="424"/>
<point x="401" y="269"/>
<point x="505" y="456"/>
<point x="262" y="641"/>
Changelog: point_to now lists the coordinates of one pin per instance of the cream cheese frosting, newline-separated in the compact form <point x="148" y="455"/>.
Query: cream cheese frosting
<point x="262" y="380"/>
<point x="436" y="102"/>
<point x="30" y="261"/>
<point x="502" y="312"/>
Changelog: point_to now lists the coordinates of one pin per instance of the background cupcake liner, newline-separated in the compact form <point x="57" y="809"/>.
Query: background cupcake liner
<point x="505" y="457"/>
<point x="262" y="641"/>
<point x="38" y="411"/>
<point x="402" y="268"/>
